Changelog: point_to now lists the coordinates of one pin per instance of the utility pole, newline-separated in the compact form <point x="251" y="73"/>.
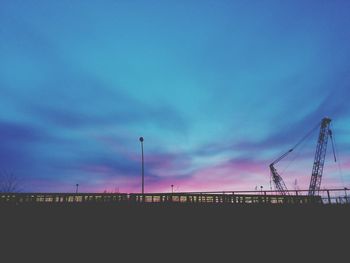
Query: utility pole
<point x="143" y="167"/>
<point x="346" y="195"/>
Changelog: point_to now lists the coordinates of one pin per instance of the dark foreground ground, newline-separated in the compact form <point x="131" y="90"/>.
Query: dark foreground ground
<point x="176" y="232"/>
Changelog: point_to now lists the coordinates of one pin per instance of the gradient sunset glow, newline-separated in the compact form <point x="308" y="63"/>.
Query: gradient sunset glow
<point x="219" y="89"/>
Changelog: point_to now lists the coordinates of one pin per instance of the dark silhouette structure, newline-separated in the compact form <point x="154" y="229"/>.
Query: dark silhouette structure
<point x="142" y="167"/>
<point x="320" y="155"/>
<point x="298" y="197"/>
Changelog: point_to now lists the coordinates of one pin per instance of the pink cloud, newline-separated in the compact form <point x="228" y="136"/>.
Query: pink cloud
<point x="172" y="169"/>
<point x="230" y="175"/>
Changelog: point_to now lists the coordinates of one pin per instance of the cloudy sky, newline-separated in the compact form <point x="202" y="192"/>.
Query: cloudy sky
<point x="219" y="89"/>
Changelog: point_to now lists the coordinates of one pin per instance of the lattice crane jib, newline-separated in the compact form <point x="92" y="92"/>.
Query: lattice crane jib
<point x="320" y="155"/>
<point x="276" y="177"/>
<point x="278" y="181"/>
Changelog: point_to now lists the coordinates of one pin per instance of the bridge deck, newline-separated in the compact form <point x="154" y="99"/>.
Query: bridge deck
<point x="190" y="198"/>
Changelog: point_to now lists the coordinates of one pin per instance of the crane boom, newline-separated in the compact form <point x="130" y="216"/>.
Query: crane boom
<point x="278" y="181"/>
<point x="320" y="155"/>
<point x="276" y="177"/>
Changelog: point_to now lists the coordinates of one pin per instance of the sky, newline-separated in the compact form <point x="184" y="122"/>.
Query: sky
<point x="218" y="89"/>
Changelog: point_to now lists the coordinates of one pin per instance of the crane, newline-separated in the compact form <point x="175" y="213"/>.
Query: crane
<point x="276" y="178"/>
<point x="320" y="155"/>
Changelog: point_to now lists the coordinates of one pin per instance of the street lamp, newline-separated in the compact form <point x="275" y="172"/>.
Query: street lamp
<point x="172" y="188"/>
<point x="346" y="195"/>
<point x="143" y="168"/>
<point x="76" y="188"/>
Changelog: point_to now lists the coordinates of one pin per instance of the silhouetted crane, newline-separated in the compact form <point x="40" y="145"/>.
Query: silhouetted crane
<point x="320" y="156"/>
<point x="276" y="178"/>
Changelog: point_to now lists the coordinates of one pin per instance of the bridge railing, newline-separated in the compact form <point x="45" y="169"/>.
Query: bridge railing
<point x="325" y="196"/>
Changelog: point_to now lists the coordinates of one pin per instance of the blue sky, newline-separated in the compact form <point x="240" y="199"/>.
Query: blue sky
<point x="219" y="89"/>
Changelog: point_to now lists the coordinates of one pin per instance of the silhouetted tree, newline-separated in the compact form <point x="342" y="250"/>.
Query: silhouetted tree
<point x="9" y="183"/>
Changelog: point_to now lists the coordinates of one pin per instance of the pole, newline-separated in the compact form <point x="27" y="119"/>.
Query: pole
<point x="346" y="195"/>
<point x="76" y="189"/>
<point x="143" y="167"/>
<point x="329" y="197"/>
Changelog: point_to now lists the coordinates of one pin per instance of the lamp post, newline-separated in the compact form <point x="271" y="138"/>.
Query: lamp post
<point x="346" y="195"/>
<point x="172" y="188"/>
<point x="143" y="168"/>
<point x="76" y="188"/>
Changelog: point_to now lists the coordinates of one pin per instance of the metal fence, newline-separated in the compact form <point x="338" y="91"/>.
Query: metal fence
<point x="324" y="196"/>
